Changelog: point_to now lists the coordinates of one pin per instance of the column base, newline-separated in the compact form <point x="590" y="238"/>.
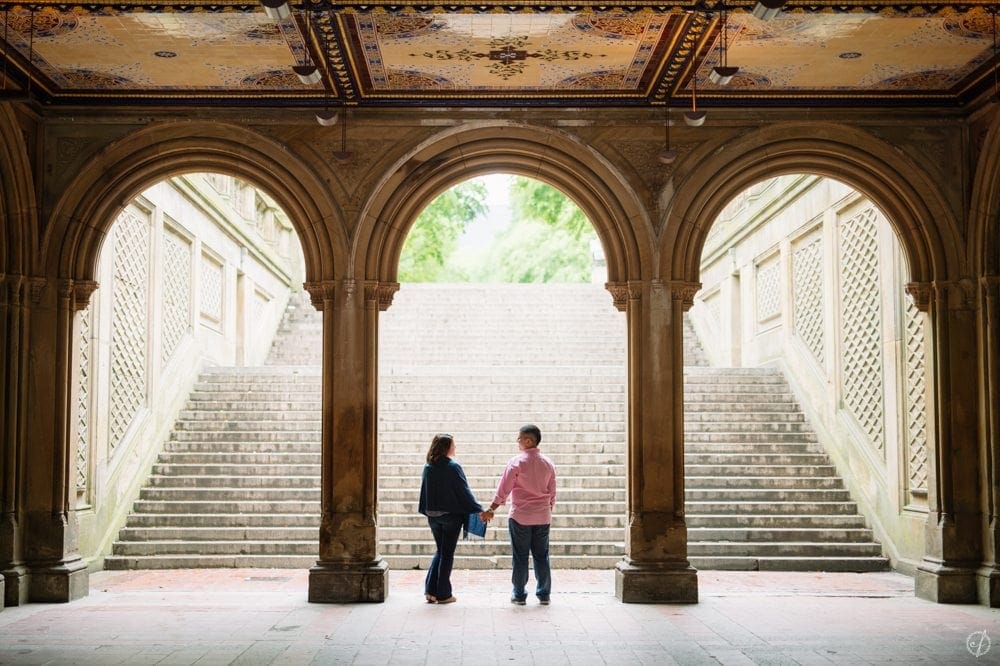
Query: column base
<point x="59" y="583"/>
<point x="988" y="584"/>
<point x="656" y="584"/>
<point x="348" y="583"/>
<point x="14" y="583"/>
<point x="944" y="584"/>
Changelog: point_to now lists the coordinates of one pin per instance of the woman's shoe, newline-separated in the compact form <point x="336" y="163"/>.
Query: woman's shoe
<point x="431" y="599"/>
<point x="449" y="600"/>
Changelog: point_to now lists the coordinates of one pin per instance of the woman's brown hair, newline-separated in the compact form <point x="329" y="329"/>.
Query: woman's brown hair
<point x="440" y="446"/>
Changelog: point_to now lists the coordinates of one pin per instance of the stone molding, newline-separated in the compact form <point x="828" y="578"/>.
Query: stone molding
<point x="320" y="292"/>
<point x="956" y="294"/>
<point x="382" y="292"/>
<point x="77" y="292"/>
<point x="921" y="293"/>
<point x="622" y="292"/>
<point x="683" y="291"/>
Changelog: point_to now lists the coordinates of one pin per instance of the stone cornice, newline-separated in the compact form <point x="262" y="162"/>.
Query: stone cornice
<point x="622" y="292"/>
<point x="921" y="293"/>
<point x="683" y="291"/>
<point x="956" y="294"/>
<point x="77" y="293"/>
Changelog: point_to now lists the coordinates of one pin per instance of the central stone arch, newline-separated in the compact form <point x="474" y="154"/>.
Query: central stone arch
<point x="583" y="174"/>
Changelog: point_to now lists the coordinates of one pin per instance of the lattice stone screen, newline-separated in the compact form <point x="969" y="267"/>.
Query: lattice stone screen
<point x="129" y="322"/>
<point x="916" y="400"/>
<point x="807" y="305"/>
<point x="768" y="289"/>
<point x="176" y="291"/>
<point x="211" y="289"/>
<point x="83" y="404"/>
<point x="861" y="323"/>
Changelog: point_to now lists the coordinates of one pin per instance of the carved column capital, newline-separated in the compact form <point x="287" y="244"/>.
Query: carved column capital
<point x="622" y="292"/>
<point x="36" y="288"/>
<point x="683" y="291"/>
<point x="921" y="293"/>
<point x="320" y="292"/>
<point x="956" y="294"/>
<point x="381" y="292"/>
<point x="77" y="293"/>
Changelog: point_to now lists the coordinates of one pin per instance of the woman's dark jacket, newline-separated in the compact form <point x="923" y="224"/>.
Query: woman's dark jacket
<point x="444" y="488"/>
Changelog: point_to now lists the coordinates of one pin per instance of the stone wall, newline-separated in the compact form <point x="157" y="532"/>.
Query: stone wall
<point x="805" y="273"/>
<point x="196" y="270"/>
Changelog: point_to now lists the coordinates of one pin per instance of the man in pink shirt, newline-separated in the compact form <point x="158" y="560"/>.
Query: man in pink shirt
<point x="530" y="482"/>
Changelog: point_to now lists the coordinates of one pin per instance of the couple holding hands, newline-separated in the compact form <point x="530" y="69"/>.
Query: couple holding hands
<point x="529" y="480"/>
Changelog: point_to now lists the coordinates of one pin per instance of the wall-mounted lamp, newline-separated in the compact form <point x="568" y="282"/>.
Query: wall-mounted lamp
<point x="308" y="74"/>
<point x="766" y="10"/>
<point x="276" y="10"/>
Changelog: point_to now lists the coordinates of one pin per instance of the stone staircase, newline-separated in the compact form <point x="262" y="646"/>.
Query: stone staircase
<point x="237" y="484"/>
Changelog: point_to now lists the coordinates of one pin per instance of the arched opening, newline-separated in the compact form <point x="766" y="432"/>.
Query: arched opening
<point x="183" y="422"/>
<point x="502" y="318"/>
<point x="815" y="395"/>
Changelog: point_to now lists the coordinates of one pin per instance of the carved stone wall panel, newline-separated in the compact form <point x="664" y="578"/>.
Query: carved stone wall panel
<point x="211" y="289"/>
<point x="177" y="266"/>
<point x="129" y="321"/>
<point x="83" y="441"/>
<point x="807" y="295"/>
<point x="861" y="325"/>
<point x="916" y="399"/>
<point x="768" y="289"/>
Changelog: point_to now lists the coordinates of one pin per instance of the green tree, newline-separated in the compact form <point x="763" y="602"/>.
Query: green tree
<point x="434" y="236"/>
<point x="534" y="251"/>
<point x="534" y="200"/>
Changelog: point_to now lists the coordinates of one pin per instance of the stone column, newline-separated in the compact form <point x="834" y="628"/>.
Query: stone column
<point x="13" y="319"/>
<point x="655" y="567"/>
<point x="55" y="569"/>
<point x="953" y="552"/>
<point x="349" y="568"/>
<point x="989" y="438"/>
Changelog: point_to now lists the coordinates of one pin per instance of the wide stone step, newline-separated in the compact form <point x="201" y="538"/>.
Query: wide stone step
<point x="561" y="536"/>
<point x="790" y="521"/>
<point x="489" y="480"/>
<point x="226" y="520"/>
<point x="813" y="495"/>
<point x="501" y="547"/>
<point x="247" y="436"/>
<point x="784" y="549"/>
<point x="282" y="534"/>
<point x="272" y="416"/>
<point x="237" y="547"/>
<point x="237" y="446"/>
<point x="761" y="469"/>
<point x="694" y="507"/>
<point x="776" y="534"/>
<point x="785" y="482"/>
<point x="727" y="437"/>
<point x="569" y="493"/>
<point x="209" y="561"/>
<point x="206" y="506"/>
<point x="220" y="460"/>
<point x="768" y="459"/>
<point x="234" y="482"/>
<point x="229" y="494"/>
<point x="757" y="563"/>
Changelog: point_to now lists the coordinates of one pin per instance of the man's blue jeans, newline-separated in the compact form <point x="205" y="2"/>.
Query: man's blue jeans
<point x="446" y="530"/>
<point x="534" y="539"/>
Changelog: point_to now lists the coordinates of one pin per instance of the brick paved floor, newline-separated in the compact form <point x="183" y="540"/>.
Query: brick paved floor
<point x="245" y="616"/>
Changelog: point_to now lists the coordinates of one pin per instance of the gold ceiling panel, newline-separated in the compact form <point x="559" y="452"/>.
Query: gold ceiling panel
<point x="384" y="54"/>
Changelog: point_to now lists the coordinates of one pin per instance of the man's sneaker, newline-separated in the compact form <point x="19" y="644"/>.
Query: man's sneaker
<point x="516" y="601"/>
<point x="543" y="601"/>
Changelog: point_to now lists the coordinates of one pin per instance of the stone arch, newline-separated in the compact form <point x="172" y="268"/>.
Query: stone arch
<point x="547" y="155"/>
<point x="17" y="198"/>
<point x="81" y="218"/>
<point x="984" y="240"/>
<point x="906" y="193"/>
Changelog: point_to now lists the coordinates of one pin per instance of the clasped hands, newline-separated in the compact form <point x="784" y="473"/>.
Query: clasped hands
<point x="486" y="516"/>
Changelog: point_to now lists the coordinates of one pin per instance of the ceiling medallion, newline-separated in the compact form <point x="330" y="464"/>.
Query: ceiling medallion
<point x="165" y="54"/>
<point x="849" y="55"/>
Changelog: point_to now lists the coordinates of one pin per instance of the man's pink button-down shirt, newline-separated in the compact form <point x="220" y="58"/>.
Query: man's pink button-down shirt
<point x="530" y="482"/>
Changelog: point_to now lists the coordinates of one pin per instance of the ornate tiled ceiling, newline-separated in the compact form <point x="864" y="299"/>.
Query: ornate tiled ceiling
<point x="877" y="53"/>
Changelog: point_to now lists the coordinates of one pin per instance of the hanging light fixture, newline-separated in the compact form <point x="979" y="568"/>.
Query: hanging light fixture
<point x="722" y="73"/>
<point x="694" y="117"/>
<point x="327" y="118"/>
<point x="276" y="10"/>
<point x="308" y="72"/>
<point x="765" y="10"/>
<point x="343" y="154"/>
<point x="668" y="155"/>
<point x="996" y="55"/>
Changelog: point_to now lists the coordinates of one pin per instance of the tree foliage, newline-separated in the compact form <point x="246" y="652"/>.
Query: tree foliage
<point x="534" y="200"/>
<point x="434" y="236"/>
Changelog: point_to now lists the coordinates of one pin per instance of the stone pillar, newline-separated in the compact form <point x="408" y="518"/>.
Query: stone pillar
<point x="349" y="568"/>
<point x="13" y="320"/>
<point x="56" y="571"/>
<point x="655" y="567"/>
<point x="953" y="551"/>
<point x="989" y="438"/>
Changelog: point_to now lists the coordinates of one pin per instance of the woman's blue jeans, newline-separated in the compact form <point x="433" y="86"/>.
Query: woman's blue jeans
<point x="533" y="539"/>
<point x="446" y="530"/>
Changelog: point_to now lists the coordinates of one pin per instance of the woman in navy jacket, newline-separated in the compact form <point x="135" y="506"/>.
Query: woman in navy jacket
<point x="447" y="501"/>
